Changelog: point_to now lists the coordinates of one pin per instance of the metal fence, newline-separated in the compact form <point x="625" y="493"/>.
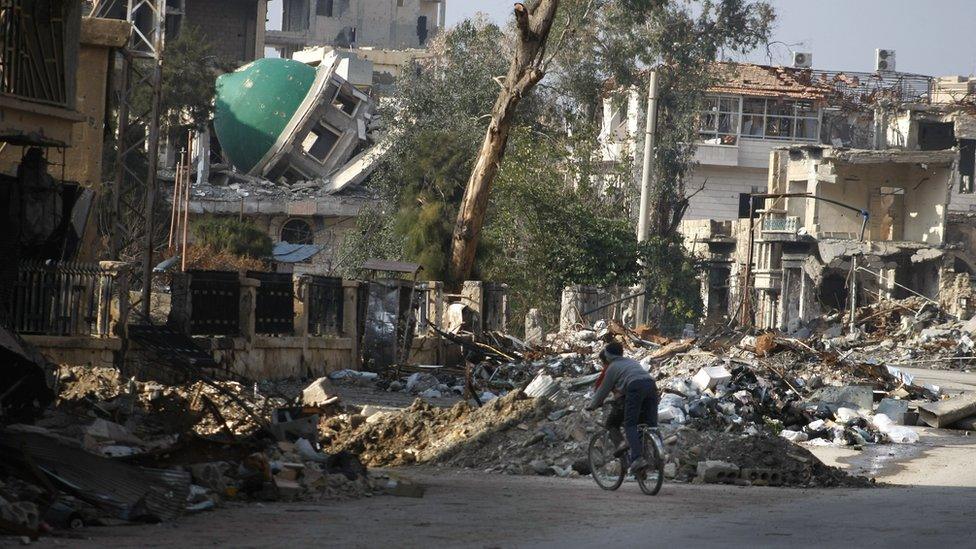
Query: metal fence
<point x="62" y="298"/>
<point x="274" y="309"/>
<point x="325" y="304"/>
<point x="215" y="298"/>
<point x="34" y="38"/>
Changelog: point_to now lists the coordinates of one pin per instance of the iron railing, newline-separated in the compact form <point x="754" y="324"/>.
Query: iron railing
<point x="274" y="309"/>
<point x="215" y="303"/>
<point x="325" y="304"/>
<point x="35" y="39"/>
<point x="62" y="298"/>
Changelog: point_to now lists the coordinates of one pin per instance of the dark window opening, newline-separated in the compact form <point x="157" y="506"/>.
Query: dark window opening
<point x="833" y="291"/>
<point x="320" y="142"/>
<point x="297" y="231"/>
<point x="324" y="8"/>
<point x="757" y="204"/>
<point x="967" y="165"/>
<point x="936" y="136"/>
<point x="422" y="29"/>
<point x="345" y="103"/>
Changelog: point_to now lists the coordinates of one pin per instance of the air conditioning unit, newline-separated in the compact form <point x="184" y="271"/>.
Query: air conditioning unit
<point x="802" y="60"/>
<point x="884" y="60"/>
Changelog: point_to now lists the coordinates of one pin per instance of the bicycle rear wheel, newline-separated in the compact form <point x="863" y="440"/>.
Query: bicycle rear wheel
<point x="607" y="470"/>
<point x="651" y="478"/>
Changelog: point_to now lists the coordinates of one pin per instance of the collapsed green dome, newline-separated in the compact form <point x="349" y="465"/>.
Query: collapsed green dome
<point x="254" y="105"/>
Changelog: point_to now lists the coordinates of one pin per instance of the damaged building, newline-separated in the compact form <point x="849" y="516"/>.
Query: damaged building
<point x="837" y="225"/>
<point x="298" y="142"/>
<point x="357" y="23"/>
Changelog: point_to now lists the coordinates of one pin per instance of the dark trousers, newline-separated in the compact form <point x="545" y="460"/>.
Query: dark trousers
<point x="640" y="406"/>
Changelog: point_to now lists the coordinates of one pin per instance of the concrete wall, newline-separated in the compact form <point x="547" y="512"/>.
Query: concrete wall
<point x="77" y="350"/>
<point x="327" y="231"/>
<point x="235" y="28"/>
<point x="384" y="24"/>
<point x="720" y="198"/>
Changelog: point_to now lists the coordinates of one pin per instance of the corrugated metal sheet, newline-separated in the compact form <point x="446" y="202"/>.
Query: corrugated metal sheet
<point x="130" y="493"/>
<point x="284" y="252"/>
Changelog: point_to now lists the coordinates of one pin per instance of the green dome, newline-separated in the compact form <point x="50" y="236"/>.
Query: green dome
<point x="255" y="103"/>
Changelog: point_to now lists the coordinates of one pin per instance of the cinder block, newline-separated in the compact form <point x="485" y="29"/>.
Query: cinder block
<point x="761" y="476"/>
<point x="717" y="472"/>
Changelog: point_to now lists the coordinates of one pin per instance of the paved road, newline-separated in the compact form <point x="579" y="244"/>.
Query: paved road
<point x="933" y="507"/>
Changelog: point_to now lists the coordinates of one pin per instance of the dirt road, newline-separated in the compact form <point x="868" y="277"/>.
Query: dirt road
<point x="932" y="507"/>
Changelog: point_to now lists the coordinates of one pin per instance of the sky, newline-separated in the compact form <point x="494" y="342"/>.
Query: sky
<point x="931" y="37"/>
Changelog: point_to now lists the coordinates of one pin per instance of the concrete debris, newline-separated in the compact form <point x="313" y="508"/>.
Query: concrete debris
<point x="319" y="393"/>
<point x="947" y="412"/>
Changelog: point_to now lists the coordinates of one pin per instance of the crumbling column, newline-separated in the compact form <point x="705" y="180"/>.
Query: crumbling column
<point x="572" y="307"/>
<point x="181" y="303"/>
<point x="300" y="284"/>
<point x="248" y="302"/>
<point x="473" y="297"/>
<point x="108" y="286"/>
<point x="350" y="319"/>
<point x="535" y="332"/>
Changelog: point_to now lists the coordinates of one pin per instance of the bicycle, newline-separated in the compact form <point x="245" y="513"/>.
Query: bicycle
<point x="609" y="470"/>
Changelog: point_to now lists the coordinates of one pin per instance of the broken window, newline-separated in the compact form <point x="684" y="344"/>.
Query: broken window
<point x="345" y="103"/>
<point x="757" y="204"/>
<point x="320" y="142"/>
<point x="297" y="231"/>
<point x="936" y="136"/>
<point x="324" y="8"/>
<point x="718" y="122"/>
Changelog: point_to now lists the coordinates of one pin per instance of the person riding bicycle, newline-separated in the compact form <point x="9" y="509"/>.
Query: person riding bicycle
<point x="627" y="377"/>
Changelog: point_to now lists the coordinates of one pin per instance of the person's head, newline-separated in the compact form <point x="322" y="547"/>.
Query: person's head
<point x="612" y="350"/>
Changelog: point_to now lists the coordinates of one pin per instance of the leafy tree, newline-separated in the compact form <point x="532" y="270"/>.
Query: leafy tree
<point x="622" y="38"/>
<point x="550" y="226"/>
<point x="558" y="215"/>
<point x="431" y="189"/>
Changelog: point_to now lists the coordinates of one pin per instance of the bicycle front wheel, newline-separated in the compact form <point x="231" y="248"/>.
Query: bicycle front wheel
<point x="651" y="478"/>
<point x="608" y="470"/>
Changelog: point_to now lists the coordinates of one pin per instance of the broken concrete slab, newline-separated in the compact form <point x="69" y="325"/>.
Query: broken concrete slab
<point x="711" y="376"/>
<point x="319" y="393"/>
<point x="858" y="396"/>
<point x="894" y="409"/>
<point x="947" y="412"/>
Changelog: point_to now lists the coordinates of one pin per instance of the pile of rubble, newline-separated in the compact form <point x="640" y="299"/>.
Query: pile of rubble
<point x="111" y="449"/>
<point x="740" y="401"/>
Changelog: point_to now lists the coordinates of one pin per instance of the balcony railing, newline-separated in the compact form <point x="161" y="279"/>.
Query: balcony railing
<point x="789" y="224"/>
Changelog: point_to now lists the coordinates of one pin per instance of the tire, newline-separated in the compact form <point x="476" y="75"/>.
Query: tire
<point x="651" y="479"/>
<point x="607" y="471"/>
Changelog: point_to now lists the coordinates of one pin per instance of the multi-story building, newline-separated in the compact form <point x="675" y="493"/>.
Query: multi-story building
<point x="379" y="24"/>
<point x="876" y="168"/>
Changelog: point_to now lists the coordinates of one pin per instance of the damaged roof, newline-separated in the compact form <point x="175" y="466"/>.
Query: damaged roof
<point x="767" y="81"/>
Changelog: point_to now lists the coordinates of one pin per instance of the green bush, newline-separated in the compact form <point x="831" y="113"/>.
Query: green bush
<point x="229" y="234"/>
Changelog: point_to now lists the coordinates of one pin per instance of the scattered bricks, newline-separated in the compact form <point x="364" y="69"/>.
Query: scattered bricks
<point x="761" y="477"/>
<point x="717" y="472"/>
<point x="711" y="376"/>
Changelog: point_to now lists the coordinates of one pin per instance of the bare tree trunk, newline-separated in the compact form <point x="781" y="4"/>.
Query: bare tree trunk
<point x="527" y="69"/>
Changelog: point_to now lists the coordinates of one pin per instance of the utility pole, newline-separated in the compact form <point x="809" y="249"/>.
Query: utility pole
<point x="647" y="176"/>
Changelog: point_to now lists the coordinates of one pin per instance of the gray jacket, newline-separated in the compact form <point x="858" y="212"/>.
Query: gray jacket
<point x="620" y="373"/>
